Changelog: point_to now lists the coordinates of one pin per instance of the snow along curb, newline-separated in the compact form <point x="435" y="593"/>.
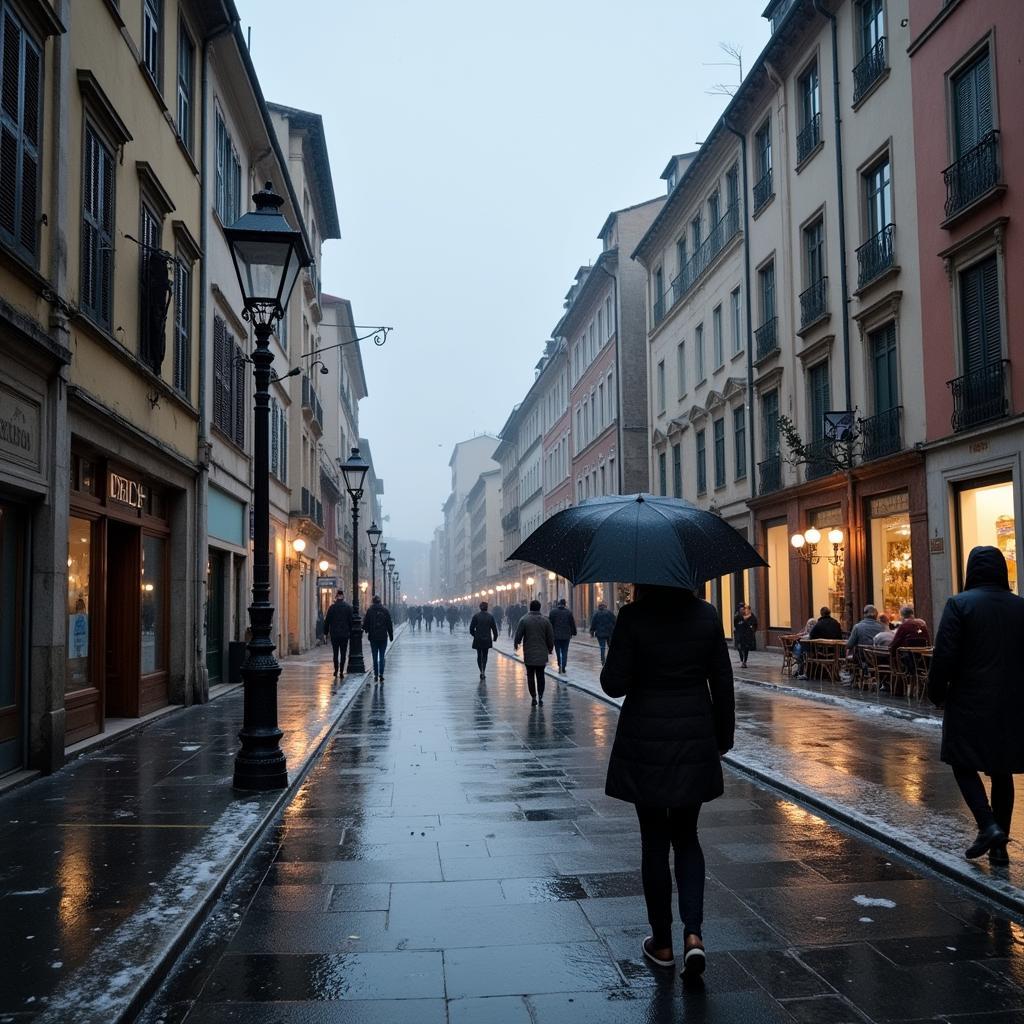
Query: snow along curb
<point x="99" y="996"/>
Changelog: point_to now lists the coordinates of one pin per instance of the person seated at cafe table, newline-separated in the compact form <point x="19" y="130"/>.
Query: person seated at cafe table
<point x="884" y="636"/>
<point x="911" y="632"/>
<point x="866" y="630"/>
<point x="826" y="628"/>
<point x="799" y="650"/>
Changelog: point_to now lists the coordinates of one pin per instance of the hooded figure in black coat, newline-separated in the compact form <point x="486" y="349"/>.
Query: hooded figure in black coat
<point x="976" y="674"/>
<point x="669" y="659"/>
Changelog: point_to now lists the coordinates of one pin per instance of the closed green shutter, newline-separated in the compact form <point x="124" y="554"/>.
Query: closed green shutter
<point x="972" y="98"/>
<point x="820" y="399"/>
<point x="980" y="316"/>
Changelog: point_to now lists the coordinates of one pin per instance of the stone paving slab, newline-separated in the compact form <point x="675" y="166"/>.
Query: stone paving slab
<point x="543" y="921"/>
<point x="109" y="864"/>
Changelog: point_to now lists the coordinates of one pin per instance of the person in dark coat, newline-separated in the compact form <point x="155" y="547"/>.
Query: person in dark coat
<point x="499" y="615"/>
<point x="453" y="617"/>
<point x="338" y="624"/>
<point x="484" y="631"/>
<point x="537" y="636"/>
<point x="379" y="629"/>
<point x="669" y="659"/>
<point x="602" y="625"/>
<point x="564" y="626"/>
<point x="976" y="675"/>
<point x="744" y="631"/>
<point x="826" y="628"/>
<point x="428" y="616"/>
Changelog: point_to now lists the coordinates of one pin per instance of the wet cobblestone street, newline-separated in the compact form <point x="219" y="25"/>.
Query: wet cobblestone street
<point x="453" y="858"/>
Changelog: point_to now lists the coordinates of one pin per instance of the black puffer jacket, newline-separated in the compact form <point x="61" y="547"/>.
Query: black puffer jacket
<point x="976" y="669"/>
<point x="669" y="659"/>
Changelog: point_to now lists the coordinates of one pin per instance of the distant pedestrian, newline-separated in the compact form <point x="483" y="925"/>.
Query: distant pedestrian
<point x="744" y="628"/>
<point x="564" y="626"/>
<point x="669" y="659"/>
<point x="976" y="674"/>
<point x="379" y="629"/>
<point x="602" y="625"/>
<point x="428" y="616"/>
<point x="338" y="623"/>
<point x="499" y="615"/>
<point x="484" y="631"/>
<point x="537" y="636"/>
<point x="453" y="617"/>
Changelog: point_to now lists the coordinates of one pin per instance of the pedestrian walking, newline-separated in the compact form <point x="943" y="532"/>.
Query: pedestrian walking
<point x="338" y="624"/>
<point x="602" y="623"/>
<point x="976" y="676"/>
<point x="484" y="631"/>
<point x="428" y="616"/>
<point x="564" y="626"/>
<point x="499" y="615"/>
<point x="537" y="636"/>
<point x="379" y="629"/>
<point x="669" y="659"/>
<point x="744" y="629"/>
<point x="453" y="617"/>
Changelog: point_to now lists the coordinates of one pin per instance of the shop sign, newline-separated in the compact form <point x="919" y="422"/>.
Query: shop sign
<point x="890" y="505"/>
<point x="937" y="545"/>
<point x="20" y="424"/>
<point x="327" y="582"/>
<point x="127" y="492"/>
<point x="832" y="516"/>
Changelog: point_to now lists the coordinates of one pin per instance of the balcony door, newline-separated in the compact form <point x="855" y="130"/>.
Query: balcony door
<point x="883" y="359"/>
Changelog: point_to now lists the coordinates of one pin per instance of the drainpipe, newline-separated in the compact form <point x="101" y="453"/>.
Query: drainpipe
<point x="852" y="538"/>
<point x="618" y="375"/>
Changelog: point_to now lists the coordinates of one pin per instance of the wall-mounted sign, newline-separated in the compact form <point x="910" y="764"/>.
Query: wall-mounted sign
<point x="20" y="424"/>
<point x="127" y="492"/>
<point x="327" y="582"/>
<point x="937" y="545"/>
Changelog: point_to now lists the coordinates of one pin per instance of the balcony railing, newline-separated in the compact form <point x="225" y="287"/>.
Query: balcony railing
<point x="696" y="266"/>
<point x="763" y="190"/>
<point x="869" y="70"/>
<point x="311" y="507"/>
<point x="819" y="459"/>
<point x="876" y="255"/>
<point x="974" y="174"/>
<point x="809" y="137"/>
<point x="980" y="396"/>
<point x="766" y="338"/>
<point x="769" y="474"/>
<point x="311" y="401"/>
<point x="881" y="434"/>
<point x="814" y="302"/>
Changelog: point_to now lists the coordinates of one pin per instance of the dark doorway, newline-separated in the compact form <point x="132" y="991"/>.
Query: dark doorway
<point x="13" y="544"/>
<point x="122" y="632"/>
<point x="215" y="594"/>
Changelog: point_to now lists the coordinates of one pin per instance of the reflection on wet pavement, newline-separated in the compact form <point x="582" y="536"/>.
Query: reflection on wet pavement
<point x="453" y="857"/>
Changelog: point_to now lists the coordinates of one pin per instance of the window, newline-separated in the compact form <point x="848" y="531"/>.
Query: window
<point x="609" y="324"/>
<point x="716" y="336"/>
<point x="719" y="435"/>
<point x="777" y="555"/>
<point x="659" y="290"/>
<point x="97" y="229"/>
<point x="182" y="326"/>
<point x="152" y="613"/>
<point x="882" y="345"/>
<point x="737" y="329"/>
<point x="229" y="176"/>
<point x="612" y="479"/>
<point x="155" y="289"/>
<point x="677" y="470"/>
<point x="152" y="23"/>
<point x="228" y="383"/>
<point x="972" y="104"/>
<point x="714" y="210"/>
<point x="814" y="251"/>
<point x="604" y="480"/>
<point x="763" y="148"/>
<point x="770" y="423"/>
<point x="702" y="465"/>
<point x="186" y="75"/>
<point x="871" y="19"/>
<point x="611" y="398"/>
<point x="662" y="475"/>
<point x="695" y="232"/>
<point x="661" y="387"/>
<point x="681" y="256"/>
<point x="698" y="353"/>
<point x="20" y="136"/>
<point x="766" y="288"/>
<point x="601" y="408"/>
<point x="980" y="318"/>
<point x="732" y="187"/>
<point x="810" y="95"/>
<point x="878" y="197"/>
<point x="739" y="433"/>
<point x="579" y="430"/>
<point x="681" y="367"/>
<point x="818" y="386"/>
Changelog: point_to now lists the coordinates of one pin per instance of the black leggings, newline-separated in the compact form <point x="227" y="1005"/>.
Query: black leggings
<point x="535" y="680"/>
<point x="1000" y="810"/>
<point x="660" y="828"/>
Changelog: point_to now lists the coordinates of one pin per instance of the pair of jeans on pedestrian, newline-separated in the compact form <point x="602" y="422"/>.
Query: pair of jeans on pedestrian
<point x="535" y="681"/>
<point x="377" y="649"/>
<point x="339" y="647"/>
<point x="1000" y="810"/>
<point x="481" y="658"/>
<point x="602" y="643"/>
<point x="562" y="652"/>
<point x="660" y="829"/>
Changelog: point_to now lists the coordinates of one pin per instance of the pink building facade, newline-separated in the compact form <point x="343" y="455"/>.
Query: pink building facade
<point x="967" y="78"/>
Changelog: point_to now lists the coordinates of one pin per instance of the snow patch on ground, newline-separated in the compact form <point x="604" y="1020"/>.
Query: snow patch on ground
<point x="874" y="901"/>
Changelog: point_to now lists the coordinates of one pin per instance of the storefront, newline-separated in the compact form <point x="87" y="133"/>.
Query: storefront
<point x="226" y="579"/>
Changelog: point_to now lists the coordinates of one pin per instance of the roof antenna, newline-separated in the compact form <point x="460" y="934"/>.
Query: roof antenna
<point x="248" y="38"/>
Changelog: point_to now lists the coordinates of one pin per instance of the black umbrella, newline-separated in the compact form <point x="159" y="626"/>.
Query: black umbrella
<point x="638" y="538"/>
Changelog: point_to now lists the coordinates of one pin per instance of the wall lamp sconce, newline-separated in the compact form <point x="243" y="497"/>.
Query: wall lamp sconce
<point x="298" y="546"/>
<point x="806" y="546"/>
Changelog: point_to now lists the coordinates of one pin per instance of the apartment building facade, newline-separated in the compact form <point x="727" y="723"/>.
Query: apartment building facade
<point x="966" y="73"/>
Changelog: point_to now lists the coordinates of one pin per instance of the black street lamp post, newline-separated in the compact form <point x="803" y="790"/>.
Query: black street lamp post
<point x="391" y="571"/>
<point x="354" y="470"/>
<point x="373" y="533"/>
<point x="384" y="568"/>
<point x="268" y="255"/>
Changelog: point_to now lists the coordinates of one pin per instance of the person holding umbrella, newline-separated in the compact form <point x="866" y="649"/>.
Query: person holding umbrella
<point x="484" y="631"/>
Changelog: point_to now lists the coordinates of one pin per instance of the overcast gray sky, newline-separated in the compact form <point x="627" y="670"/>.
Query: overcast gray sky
<point x="476" y="150"/>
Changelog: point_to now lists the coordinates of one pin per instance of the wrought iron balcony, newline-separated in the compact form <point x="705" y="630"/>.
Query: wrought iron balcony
<point x="974" y="174"/>
<point x="979" y="396"/>
<point x="766" y="338"/>
<point x="659" y="309"/>
<point x="819" y="459"/>
<point x="769" y="474"/>
<point x="869" y="70"/>
<point x="763" y="190"/>
<point x="814" y="302"/>
<point x="882" y="434"/>
<point x="809" y="137"/>
<point x="876" y="255"/>
<point x="311" y="401"/>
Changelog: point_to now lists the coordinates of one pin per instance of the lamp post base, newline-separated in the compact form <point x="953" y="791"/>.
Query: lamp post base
<point x="260" y="764"/>
<point x="356" y="666"/>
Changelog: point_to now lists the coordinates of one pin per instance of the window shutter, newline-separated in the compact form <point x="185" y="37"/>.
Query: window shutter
<point x="239" y="396"/>
<point x="9" y="125"/>
<point x="284" y="445"/>
<point x="30" y="147"/>
<point x="980" y="316"/>
<point x="983" y="92"/>
<point x="219" y="345"/>
<point x="819" y="400"/>
<point x="105" y="237"/>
